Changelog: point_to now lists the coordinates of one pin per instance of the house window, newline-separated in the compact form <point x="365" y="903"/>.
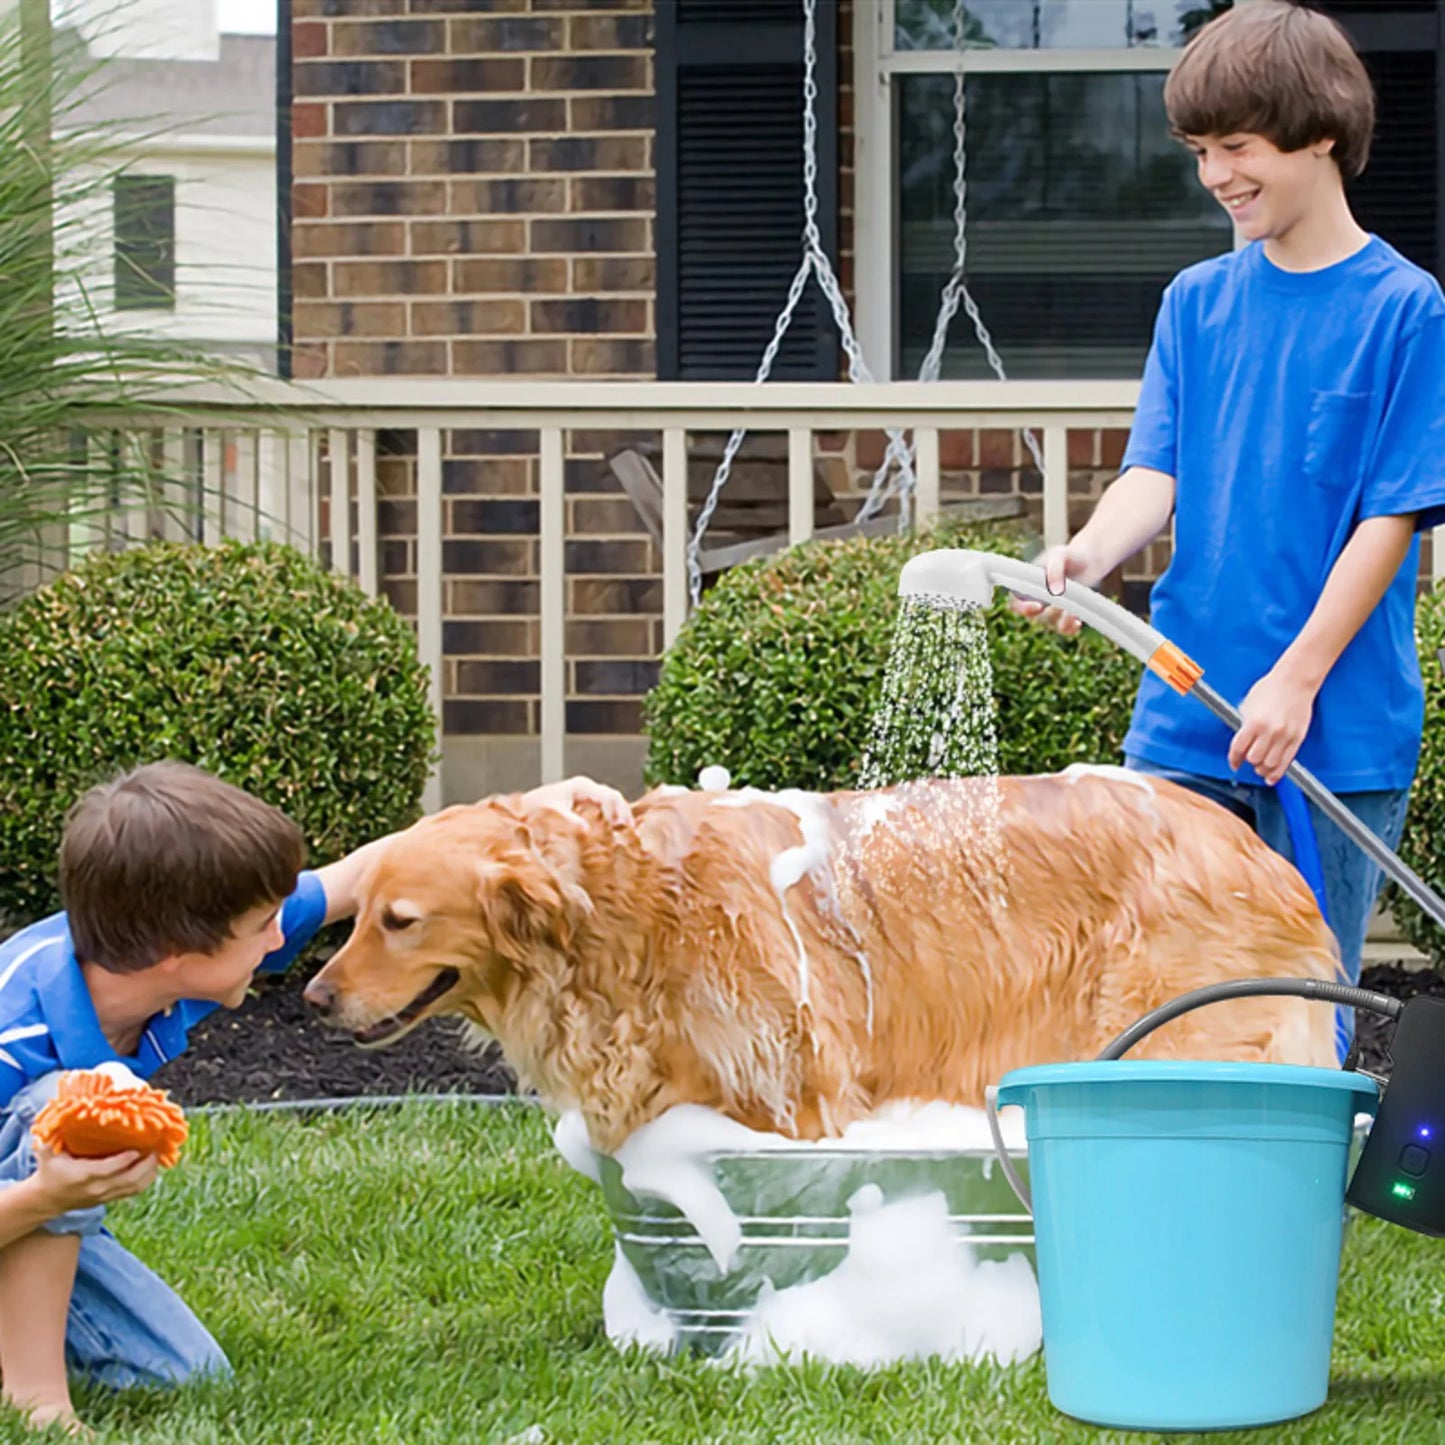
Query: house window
<point x="1080" y="206"/>
<point x="145" y="243"/>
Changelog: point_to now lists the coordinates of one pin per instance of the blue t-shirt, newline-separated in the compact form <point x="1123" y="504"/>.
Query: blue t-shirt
<point x="47" y="1019"/>
<point x="1289" y="407"/>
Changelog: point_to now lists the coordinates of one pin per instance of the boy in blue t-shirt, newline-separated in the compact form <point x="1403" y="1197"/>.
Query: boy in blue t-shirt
<point x="178" y="888"/>
<point x="1292" y="421"/>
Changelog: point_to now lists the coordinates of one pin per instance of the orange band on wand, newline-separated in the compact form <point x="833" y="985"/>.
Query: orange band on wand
<point x="1179" y="670"/>
<point x="92" y="1116"/>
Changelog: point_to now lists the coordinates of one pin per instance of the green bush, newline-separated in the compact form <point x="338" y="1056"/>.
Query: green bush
<point x="777" y="674"/>
<point x="247" y="660"/>
<point x="1423" y="845"/>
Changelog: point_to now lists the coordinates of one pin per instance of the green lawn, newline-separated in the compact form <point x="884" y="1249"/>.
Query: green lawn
<point x="434" y="1272"/>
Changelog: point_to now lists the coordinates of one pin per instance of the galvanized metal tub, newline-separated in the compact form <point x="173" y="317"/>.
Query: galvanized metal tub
<point x="792" y="1206"/>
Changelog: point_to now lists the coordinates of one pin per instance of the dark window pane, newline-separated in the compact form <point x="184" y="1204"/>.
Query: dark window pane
<point x="145" y="243"/>
<point x="1053" y="24"/>
<point x="1080" y="210"/>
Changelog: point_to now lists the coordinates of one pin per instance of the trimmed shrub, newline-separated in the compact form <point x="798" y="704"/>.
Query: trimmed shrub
<point x="778" y="673"/>
<point x="247" y="660"/>
<point x="1423" y="844"/>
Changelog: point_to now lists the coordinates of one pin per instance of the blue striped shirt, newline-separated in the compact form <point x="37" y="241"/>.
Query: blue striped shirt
<point x="47" y="1018"/>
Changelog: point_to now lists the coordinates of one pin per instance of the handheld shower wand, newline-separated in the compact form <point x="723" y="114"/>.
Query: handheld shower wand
<point x="970" y="577"/>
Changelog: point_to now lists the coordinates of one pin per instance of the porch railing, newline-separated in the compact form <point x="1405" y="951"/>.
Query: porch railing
<point x="258" y="456"/>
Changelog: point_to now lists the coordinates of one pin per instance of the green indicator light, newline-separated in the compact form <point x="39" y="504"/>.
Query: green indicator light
<point x="1403" y="1190"/>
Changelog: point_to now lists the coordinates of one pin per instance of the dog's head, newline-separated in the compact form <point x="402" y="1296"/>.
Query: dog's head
<point x="454" y="915"/>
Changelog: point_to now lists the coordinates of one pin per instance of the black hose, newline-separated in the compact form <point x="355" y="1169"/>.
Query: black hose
<point x="1312" y="988"/>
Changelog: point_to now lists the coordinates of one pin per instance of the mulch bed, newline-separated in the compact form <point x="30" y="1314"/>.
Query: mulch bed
<point x="271" y="1049"/>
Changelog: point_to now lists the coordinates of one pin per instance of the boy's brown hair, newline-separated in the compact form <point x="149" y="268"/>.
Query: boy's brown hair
<point x="165" y="859"/>
<point x="1279" y="70"/>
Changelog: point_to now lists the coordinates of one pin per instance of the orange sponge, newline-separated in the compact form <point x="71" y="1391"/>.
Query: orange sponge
<point x="92" y="1116"/>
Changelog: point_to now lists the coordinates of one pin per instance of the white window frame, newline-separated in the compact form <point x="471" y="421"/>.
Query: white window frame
<point x="876" y="62"/>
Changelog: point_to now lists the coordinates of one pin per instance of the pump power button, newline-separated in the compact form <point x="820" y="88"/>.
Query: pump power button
<point x="1413" y="1159"/>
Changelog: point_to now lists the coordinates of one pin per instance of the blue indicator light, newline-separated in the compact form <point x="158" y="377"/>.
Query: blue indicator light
<point x="1424" y="1131"/>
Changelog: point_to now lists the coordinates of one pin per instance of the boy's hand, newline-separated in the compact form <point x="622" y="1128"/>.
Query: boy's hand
<point x="1276" y="713"/>
<point x="68" y="1183"/>
<point x="1073" y="562"/>
<point x="564" y="795"/>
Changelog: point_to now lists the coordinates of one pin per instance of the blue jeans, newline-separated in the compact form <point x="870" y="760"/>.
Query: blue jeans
<point x="1351" y="878"/>
<point x="126" y="1325"/>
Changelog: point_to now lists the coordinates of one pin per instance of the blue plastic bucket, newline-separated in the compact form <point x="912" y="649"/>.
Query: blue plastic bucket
<point x="1188" y="1221"/>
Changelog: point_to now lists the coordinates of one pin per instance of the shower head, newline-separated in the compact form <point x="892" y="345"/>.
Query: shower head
<point x="968" y="578"/>
<point x="955" y="575"/>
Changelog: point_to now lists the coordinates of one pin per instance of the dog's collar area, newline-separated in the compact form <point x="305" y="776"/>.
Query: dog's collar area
<point x="389" y="1028"/>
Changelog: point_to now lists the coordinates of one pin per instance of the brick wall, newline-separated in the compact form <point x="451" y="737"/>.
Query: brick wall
<point x="474" y="195"/>
<point x="474" y="190"/>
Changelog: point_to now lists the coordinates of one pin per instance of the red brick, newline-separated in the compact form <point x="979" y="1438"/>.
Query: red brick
<point x="390" y="358"/>
<point x="308" y="281"/>
<point x="505" y="358"/>
<point x="956" y="450"/>
<point x="370" y="238"/>
<point x="389" y="278"/>
<point x="600" y="274"/>
<point x="609" y="32"/>
<point x="995" y="448"/>
<point x="615" y="637"/>
<point x="389" y="198"/>
<point x="1112" y="444"/>
<point x="308" y="39"/>
<point x="522" y="195"/>
<point x="588" y="316"/>
<point x="451" y="76"/>
<point x="351" y="318"/>
<point x="308" y="118"/>
<point x="1082" y="448"/>
<point x="872" y="445"/>
<point x="531" y="275"/>
<point x="613" y="356"/>
<point x="504" y="35"/>
<point x="309" y="202"/>
<point x="472" y="155"/>
<point x="493" y="317"/>
<point x="308" y="362"/>
<point x="390" y="37"/>
<point x="470" y="238"/>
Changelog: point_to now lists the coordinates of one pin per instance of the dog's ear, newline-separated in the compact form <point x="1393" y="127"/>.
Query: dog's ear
<point x="535" y="897"/>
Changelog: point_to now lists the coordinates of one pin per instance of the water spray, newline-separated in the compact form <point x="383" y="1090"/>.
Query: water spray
<point x="968" y="578"/>
<point x="1401" y="1173"/>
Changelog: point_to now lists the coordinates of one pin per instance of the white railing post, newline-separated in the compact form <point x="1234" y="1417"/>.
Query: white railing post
<point x="674" y="533"/>
<point x="368" y="558"/>
<point x="1056" y="484"/>
<point x="338" y="453"/>
<point x="270" y="492"/>
<point x="247" y="487"/>
<point x="800" y="485"/>
<point x="926" y="502"/>
<point x="213" y="484"/>
<point x="552" y="569"/>
<point x="1437" y="555"/>
<point x="429" y="587"/>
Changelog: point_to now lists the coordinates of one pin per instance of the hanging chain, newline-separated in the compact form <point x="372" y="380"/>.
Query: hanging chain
<point x="895" y="476"/>
<point x="815" y="264"/>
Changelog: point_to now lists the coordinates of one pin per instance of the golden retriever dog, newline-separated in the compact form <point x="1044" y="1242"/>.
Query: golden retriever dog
<point x="794" y="961"/>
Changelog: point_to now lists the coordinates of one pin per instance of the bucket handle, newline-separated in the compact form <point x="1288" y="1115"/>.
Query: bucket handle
<point x="990" y="1102"/>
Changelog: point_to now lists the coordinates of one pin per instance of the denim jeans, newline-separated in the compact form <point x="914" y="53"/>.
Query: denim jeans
<point x="126" y="1325"/>
<point x="1351" y="878"/>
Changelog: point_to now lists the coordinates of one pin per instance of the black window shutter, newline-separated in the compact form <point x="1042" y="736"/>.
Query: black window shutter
<point x="729" y="156"/>
<point x="1399" y="196"/>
